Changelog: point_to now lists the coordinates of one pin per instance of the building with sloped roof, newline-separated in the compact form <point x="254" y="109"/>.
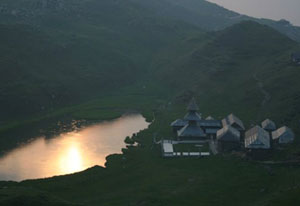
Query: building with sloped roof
<point x="178" y="124"/>
<point x="257" y="138"/>
<point x="233" y="121"/>
<point x="191" y="131"/>
<point x="228" y="138"/>
<point x="210" y="127"/>
<point x="283" y="135"/>
<point x="236" y="123"/>
<point x="268" y="125"/>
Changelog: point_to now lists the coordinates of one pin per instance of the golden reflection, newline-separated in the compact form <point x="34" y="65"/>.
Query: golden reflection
<point x="69" y="152"/>
<point x="71" y="161"/>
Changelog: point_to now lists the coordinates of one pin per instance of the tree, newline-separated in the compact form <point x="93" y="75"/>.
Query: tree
<point x="129" y="141"/>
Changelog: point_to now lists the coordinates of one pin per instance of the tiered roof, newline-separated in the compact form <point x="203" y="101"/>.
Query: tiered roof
<point x="192" y="116"/>
<point x="179" y="123"/>
<point x="191" y="130"/>
<point x="193" y="105"/>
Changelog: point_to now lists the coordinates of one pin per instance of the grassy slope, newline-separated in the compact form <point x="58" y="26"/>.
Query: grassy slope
<point x="68" y="57"/>
<point x="141" y="177"/>
<point x="223" y="70"/>
<point x="221" y="84"/>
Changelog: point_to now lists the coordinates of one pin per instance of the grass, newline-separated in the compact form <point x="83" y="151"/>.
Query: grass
<point x="141" y="176"/>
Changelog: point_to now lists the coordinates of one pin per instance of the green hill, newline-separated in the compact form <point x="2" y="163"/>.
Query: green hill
<point x="96" y="59"/>
<point x="230" y="67"/>
<point x="57" y="59"/>
<point x="225" y="71"/>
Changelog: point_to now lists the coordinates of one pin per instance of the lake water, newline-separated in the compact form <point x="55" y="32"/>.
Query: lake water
<point x="69" y="152"/>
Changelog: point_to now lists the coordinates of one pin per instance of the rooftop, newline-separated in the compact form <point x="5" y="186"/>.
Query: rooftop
<point x="192" y="116"/>
<point x="257" y="138"/>
<point x="283" y="133"/>
<point x="228" y="133"/>
<point x="232" y="119"/>
<point x="191" y="130"/>
<point x="179" y="123"/>
<point x="193" y="105"/>
<point x="268" y="125"/>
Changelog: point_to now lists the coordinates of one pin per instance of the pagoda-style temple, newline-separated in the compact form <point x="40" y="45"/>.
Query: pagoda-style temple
<point x="192" y="130"/>
<point x="194" y="127"/>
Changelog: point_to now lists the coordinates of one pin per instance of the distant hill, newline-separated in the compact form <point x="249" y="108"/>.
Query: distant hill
<point x="68" y="52"/>
<point x="211" y="17"/>
<point x="203" y="14"/>
<point x="230" y="68"/>
<point x="58" y="53"/>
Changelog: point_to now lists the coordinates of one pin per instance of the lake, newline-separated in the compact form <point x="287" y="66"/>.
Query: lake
<point x="69" y="152"/>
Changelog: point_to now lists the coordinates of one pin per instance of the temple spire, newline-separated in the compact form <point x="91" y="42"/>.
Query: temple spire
<point x="193" y="105"/>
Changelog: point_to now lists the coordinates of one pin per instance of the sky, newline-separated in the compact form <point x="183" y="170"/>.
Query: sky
<point x="271" y="9"/>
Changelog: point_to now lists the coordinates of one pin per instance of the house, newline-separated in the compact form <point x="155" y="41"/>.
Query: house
<point x="178" y="124"/>
<point x="283" y="135"/>
<point x="191" y="131"/>
<point x="257" y="138"/>
<point x="228" y="138"/>
<point x="296" y="57"/>
<point x="269" y="126"/>
<point x="235" y="122"/>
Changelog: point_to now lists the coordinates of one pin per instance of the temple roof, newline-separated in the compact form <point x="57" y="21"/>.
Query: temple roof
<point x="179" y="123"/>
<point x="210" y="123"/>
<point x="192" y="116"/>
<point x="193" y="105"/>
<point x="191" y="130"/>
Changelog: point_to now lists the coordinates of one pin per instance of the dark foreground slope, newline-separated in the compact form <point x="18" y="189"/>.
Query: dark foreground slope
<point x="224" y="72"/>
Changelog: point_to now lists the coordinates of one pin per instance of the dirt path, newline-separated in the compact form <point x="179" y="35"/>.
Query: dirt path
<point x="260" y="84"/>
<point x="266" y="94"/>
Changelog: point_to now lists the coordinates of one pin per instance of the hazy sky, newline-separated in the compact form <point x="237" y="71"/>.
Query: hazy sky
<point x="272" y="9"/>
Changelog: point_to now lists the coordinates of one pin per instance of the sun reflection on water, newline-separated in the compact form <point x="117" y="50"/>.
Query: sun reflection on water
<point x="69" y="152"/>
<point x="71" y="161"/>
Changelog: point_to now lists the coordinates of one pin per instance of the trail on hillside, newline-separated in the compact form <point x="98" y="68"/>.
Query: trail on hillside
<point x="266" y="94"/>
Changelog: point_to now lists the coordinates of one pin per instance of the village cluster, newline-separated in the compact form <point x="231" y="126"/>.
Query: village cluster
<point x="222" y="135"/>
